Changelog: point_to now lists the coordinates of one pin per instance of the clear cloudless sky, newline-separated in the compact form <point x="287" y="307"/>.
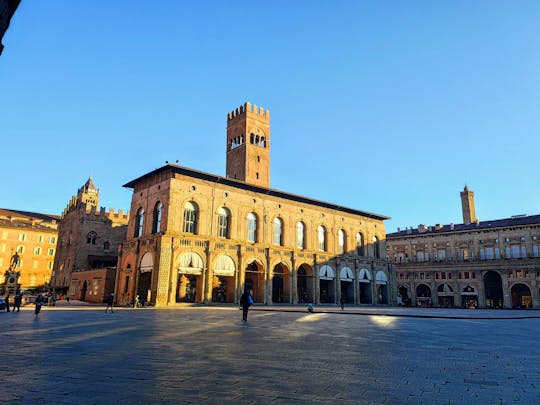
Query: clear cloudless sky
<point x="384" y="106"/>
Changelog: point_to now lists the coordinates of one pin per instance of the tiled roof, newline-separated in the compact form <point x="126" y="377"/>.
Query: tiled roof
<point x="496" y="223"/>
<point x="28" y="215"/>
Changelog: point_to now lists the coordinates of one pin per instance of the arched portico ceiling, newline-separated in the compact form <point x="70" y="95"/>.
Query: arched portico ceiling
<point x="147" y="262"/>
<point x="468" y="290"/>
<point x="444" y="288"/>
<point x="364" y="276"/>
<point x="380" y="278"/>
<point x="258" y="262"/>
<point x="224" y="266"/>
<point x="326" y="272"/>
<point x="346" y="274"/>
<point x="190" y="263"/>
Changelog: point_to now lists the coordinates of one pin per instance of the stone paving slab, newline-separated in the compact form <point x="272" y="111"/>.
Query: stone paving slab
<point x="80" y="355"/>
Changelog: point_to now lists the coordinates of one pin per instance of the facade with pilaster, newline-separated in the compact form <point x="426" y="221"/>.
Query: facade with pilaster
<point x="476" y="264"/>
<point x="198" y="237"/>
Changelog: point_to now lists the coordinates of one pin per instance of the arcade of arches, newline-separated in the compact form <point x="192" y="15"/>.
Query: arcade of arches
<point x="488" y="289"/>
<point x="192" y="282"/>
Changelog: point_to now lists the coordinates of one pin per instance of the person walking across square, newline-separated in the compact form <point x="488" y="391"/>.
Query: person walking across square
<point x="246" y="300"/>
<point x="110" y="301"/>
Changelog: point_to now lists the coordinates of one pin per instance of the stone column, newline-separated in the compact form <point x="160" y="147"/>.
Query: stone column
<point x="507" y="296"/>
<point x="164" y="273"/>
<point x="294" y="280"/>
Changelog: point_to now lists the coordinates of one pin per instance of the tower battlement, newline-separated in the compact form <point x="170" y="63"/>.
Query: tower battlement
<point x="118" y="216"/>
<point x="249" y="109"/>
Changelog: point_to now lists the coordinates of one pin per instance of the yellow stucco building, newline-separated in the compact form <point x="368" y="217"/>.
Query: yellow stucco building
<point x="32" y="237"/>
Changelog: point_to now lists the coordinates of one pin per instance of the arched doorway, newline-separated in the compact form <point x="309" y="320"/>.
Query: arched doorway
<point x="469" y="297"/>
<point x="224" y="280"/>
<point x="190" y="266"/>
<point x="83" y="290"/>
<point x="382" y="287"/>
<point x="255" y="280"/>
<point x="304" y="284"/>
<point x="494" y="290"/>
<point x="445" y="295"/>
<point x="403" y="293"/>
<point x="423" y="296"/>
<point x="364" y="284"/>
<point x="145" y="278"/>
<point x="521" y="296"/>
<point x="346" y="278"/>
<point x="326" y="282"/>
<point x="281" y="284"/>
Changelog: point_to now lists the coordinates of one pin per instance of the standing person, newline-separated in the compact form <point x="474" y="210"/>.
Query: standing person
<point x="17" y="302"/>
<point x="39" y="302"/>
<point x="246" y="300"/>
<point x="7" y="303"/>
<point x="137" y="301"/>
<point x="110" y="300"/>
<point x="342" y="302"/>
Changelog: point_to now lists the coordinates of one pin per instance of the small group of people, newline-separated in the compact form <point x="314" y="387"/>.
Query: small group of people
<point x="17" y="301"/>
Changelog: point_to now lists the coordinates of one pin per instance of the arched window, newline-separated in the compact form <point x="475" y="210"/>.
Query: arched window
<point x="359" y="244"/>
<point x="139" y="220"/>
<point x="252" y="227"/>
<point x="190" y="218"/>
<point x="91" y="238"/>
<point x="156" y="217"/>
<point x="278" y="232"/>
<point x="300" y="235"/>
<point x="106" y="246"/>
<point x="223" y="222"/>
<point x="321" y="238"/>
<point x="341" y="241"/>
<point x="376" y="250"/>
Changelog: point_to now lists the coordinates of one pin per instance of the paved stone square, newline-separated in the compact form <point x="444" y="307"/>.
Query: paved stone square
<point x="80" y="355"/>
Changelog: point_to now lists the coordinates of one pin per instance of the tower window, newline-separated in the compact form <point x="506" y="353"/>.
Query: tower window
<point x="91" y="238"/>
<point x="257" y="174"/>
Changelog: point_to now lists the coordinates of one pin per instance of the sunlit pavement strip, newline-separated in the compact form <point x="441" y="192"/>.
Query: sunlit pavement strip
<point x="80" y="355"/>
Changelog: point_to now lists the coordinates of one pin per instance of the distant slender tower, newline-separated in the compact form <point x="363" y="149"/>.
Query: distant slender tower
<point x="248" y="145"/>
<point x="467" y="205"/>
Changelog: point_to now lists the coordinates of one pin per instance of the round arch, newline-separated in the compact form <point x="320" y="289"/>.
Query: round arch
<point x="304" y="283"/>
<point x="224" y="279"/>
<point x="327" y="285"/>
<point x="521" y="296"/>
<point x="281" y="283"/>
<point x="254" y="279"/>
<point x="493" y="289"/>
<point x="423" y="296"/>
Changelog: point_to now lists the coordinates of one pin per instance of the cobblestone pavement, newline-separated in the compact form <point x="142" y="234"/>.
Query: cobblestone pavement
<point x="80" y="355"/>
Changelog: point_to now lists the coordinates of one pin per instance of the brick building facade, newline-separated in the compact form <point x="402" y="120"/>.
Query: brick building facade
<point x="199" y="237"/>
<point x="88" y="240"/>
<point x="476" y="264"/>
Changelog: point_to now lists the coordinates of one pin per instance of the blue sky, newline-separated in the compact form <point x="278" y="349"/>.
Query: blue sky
<point x="384" y="106"/>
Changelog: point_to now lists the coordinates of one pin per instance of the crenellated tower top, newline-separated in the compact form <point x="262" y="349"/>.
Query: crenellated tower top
<point x="248" y="145"/>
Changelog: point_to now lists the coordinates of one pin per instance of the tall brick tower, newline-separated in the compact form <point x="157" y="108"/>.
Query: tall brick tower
<point x="248" y="145"/>
<point x="467" y="205"/>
